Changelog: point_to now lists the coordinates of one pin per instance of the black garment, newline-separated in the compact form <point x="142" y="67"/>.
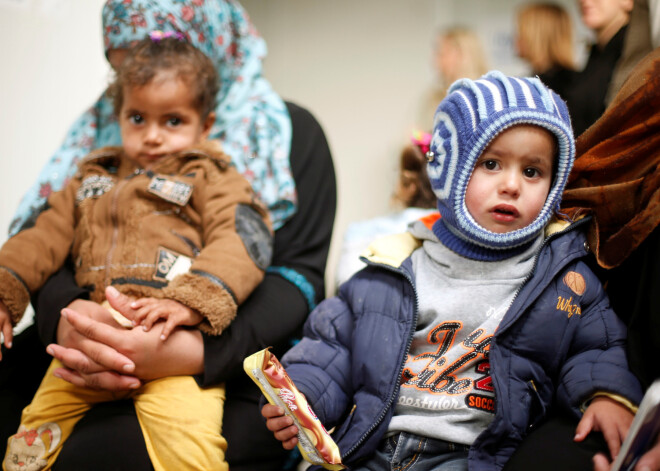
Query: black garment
<point x="551" y="448"/>
<point x="272" y="315"/>
<point x="558" y="79"/>
<point x="586" y="95"/>
<point x="634" y="296"/>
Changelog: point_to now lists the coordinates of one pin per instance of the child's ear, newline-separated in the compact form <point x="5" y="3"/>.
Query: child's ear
<point x="208" y="124"/>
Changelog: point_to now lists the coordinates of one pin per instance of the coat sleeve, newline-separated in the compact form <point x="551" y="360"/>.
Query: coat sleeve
<point x="33" y="255"/>
<point x="320" y="364"/>
<point x="597" y="359"/>
<point x="237" y="248"/>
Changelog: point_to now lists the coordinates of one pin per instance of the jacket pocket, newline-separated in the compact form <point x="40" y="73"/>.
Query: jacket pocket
<point x="338" y="433"/>
<point x="536" y="409"/>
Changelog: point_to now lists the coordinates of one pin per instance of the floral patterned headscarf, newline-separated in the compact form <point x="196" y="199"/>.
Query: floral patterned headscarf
<point x="251" y="119"/>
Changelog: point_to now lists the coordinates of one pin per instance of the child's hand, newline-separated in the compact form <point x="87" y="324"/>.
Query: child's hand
<point x="650" y="461"/>
<point x="609" y="417"/>
<point x="149" y="310"/>
<point x="281" y="425"/>
<point x="5" y="326"/>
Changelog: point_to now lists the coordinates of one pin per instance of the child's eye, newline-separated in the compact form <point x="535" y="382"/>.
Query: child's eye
<point x="489" y="164"/>
<point x="174" y="121"/>
<point x="531" y="172"/>
<point x="136" y="119"/>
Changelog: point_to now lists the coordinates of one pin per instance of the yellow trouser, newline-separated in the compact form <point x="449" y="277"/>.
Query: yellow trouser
<point x="181" y="423"/>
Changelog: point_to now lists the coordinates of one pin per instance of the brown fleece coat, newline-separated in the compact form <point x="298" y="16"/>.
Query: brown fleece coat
<point x="616" y="175"/>
<point x="124" y="226"/>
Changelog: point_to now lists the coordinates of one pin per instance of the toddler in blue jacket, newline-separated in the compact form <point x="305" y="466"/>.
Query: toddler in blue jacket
<point x="459" y="334"/>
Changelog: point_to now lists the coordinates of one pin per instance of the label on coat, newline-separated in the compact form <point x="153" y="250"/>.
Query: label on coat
<point x="170" y="190"/>
<point x="93" y="186"/>
<point x="170" y="264"/>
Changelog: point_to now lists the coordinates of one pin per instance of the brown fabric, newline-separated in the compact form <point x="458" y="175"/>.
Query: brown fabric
<point x="616" y="175"/>
<point x="19" y="296"/>
<point x="202" y="295"/>
<point x="116" y="225"/>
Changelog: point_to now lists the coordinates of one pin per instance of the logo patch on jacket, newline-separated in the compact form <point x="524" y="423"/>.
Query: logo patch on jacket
<point x="567" y="305"/>
<point x="93" y="187"/>
<point x="575" y="282"/>
<point x="173" y="191"/>
<point x="170" y="264"/>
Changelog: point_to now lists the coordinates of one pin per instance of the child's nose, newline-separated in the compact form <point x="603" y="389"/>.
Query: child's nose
<point x="153" y="135"/>
<point x="510" y="184"/>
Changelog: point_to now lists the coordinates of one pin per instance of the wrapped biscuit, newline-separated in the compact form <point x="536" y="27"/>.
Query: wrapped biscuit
<point x="314" y="442"/>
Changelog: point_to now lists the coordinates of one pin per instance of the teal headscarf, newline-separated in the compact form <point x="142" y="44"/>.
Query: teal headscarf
<point x="251" y="119"/>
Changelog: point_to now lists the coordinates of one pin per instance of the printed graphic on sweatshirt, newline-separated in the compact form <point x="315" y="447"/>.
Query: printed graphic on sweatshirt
<point x="451" y="370"/>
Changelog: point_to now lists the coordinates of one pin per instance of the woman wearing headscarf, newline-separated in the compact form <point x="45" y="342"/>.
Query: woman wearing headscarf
<point x="282" y="151"/>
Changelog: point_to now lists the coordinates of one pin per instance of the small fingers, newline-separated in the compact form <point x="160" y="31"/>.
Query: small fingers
<point x="650" y="461"/>
<point x="8" y="332"/>
<point x="154" y="316"/>
<point x="169" y="326"/>
<point x="282" y="427"/>
<point x="613" y="440"/>
<point x="271" y="410"/>
<point x="287" y="435"/>
<point x="583" y="428"/>
<point x="291" y="443"/>
<point x="142" y="308"/>
<point x="601" y="463"/>
<point x="143" y="302"/>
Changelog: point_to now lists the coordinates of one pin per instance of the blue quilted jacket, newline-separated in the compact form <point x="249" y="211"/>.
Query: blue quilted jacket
<point x="552" y="345"/>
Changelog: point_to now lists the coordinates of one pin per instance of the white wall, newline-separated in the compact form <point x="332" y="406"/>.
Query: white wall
<point x="52" y="69"/>
<point x="359" y="65"/>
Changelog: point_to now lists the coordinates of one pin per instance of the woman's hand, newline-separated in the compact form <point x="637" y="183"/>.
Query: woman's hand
<point x="97" y="353"/>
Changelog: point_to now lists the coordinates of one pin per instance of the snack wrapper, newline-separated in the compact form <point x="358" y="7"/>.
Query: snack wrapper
<point x="314" y="442"/>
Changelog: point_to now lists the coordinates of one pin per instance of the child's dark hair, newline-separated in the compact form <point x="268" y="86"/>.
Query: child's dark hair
<point x="150" y="56"/>
<point x="412" y="171"/>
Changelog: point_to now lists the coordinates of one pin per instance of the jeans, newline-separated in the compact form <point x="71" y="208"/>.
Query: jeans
<point x="408" y="452"/>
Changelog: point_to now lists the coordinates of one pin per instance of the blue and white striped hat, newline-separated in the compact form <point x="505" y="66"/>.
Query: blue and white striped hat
<point x="467" y="120"/>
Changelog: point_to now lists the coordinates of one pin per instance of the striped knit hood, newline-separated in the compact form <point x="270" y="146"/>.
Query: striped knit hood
<point x="467" y="120"/>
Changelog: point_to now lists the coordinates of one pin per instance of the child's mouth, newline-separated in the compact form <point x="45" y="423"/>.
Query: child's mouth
<point x="505" y="212"/>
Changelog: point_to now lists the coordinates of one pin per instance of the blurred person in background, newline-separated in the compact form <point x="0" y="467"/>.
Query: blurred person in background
<point x="457" y="53"/>
<point x="608" y="19"/>
<point x="545" y="41"/>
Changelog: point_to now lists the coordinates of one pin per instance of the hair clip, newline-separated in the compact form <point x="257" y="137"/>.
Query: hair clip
<point x="421" y="140"/>
<point x="157" y="35"/>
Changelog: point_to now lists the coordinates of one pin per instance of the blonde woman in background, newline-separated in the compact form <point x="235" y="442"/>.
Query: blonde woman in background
<point x="457" y="53"/>
<point x="545" y="41"/>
